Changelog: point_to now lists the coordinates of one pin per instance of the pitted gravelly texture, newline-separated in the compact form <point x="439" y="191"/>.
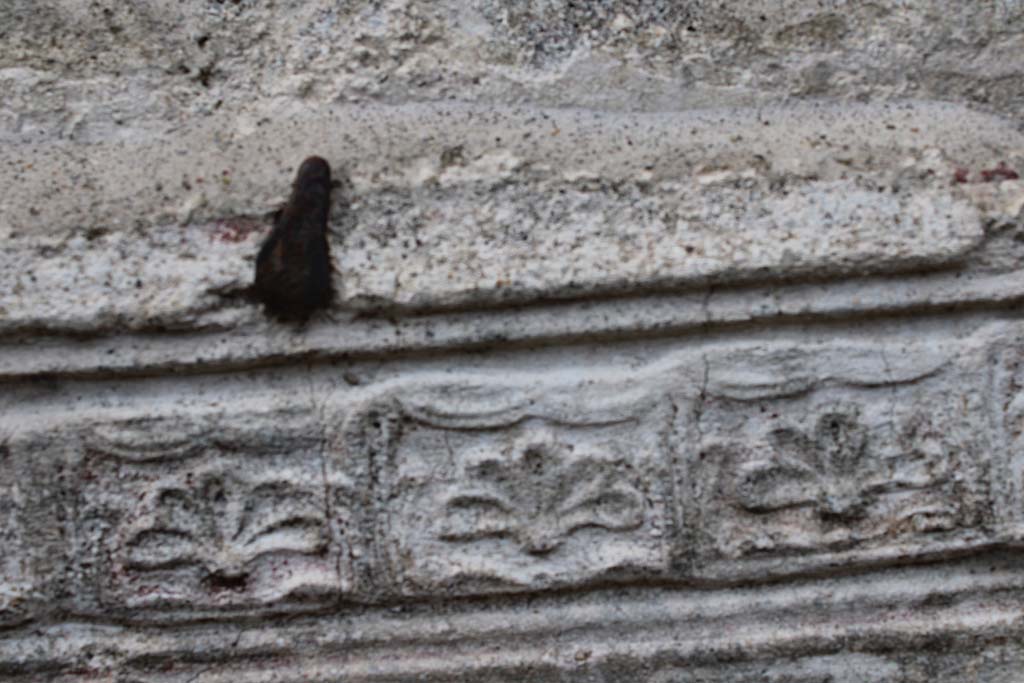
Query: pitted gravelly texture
<point x="486" y="244"/>
<point x="674" y="342"/>
<point x="104" y="71"/>
<point x="227" y="165"/>
<point x="467" y="205"/>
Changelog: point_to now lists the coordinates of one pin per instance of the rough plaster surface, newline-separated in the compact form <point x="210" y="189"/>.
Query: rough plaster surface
<point x="673" y="342"/>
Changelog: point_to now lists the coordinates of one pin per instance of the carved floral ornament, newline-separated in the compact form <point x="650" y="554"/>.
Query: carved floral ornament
<point x="222" y="523"/>
<point x="834" y="470"/>
<point x="1015" y="416"/>
<point x="539" y="493"/>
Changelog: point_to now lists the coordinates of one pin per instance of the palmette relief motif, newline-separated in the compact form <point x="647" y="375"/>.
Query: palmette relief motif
<point x="469" y="500"/>
<point x="539" y="493"/>
<point x="222" y="524"/>
<point x="831" y="471"/>
<point x="837" y="483"/>
<point x="238" y="521"/>
<point x="825" y="455"/>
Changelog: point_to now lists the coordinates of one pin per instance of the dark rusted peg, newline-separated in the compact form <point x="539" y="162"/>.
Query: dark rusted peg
<point x="293" y="267"/>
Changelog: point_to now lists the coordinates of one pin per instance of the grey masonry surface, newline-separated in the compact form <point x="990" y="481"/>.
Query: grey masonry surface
<point x="672" y="342"/>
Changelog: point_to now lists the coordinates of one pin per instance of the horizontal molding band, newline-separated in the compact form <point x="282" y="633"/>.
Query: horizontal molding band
<point x="559" y="322"/>
<point x="888" y="613"/>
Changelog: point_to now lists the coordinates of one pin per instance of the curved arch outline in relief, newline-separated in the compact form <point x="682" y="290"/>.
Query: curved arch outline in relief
<point x="186" y="526"/>
<point x="537" y="490"/>
<point x="151" y="439"/>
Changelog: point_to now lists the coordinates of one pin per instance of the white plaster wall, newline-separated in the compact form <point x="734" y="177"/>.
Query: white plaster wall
<point x="672" y="342"/>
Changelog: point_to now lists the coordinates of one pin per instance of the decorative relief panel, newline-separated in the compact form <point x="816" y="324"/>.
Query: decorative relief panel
<point x="871" y="465"/>
<point x="28" y="531"/>
<point x="1008" y="412"/>
<point x="15" y="573"/>
<point x="831" y="471"/>
<point x="184" y="514"/>
<point x="511" y="491"/>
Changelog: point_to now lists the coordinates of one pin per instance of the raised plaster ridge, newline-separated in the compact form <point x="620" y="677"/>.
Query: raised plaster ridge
<point x="454" y="205"/>
<point x="673" y="341"/>
<point x="659" y="632"/>
<point x="357" y="336"/>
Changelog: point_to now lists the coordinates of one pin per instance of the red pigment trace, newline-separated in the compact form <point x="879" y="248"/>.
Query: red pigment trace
<point x="235" y="229"/>
<point x="1000" y="172"/>
<point x="988" y="175"/>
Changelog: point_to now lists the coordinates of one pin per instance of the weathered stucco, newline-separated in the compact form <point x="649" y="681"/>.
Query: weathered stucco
<point x="672" y="342"/>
